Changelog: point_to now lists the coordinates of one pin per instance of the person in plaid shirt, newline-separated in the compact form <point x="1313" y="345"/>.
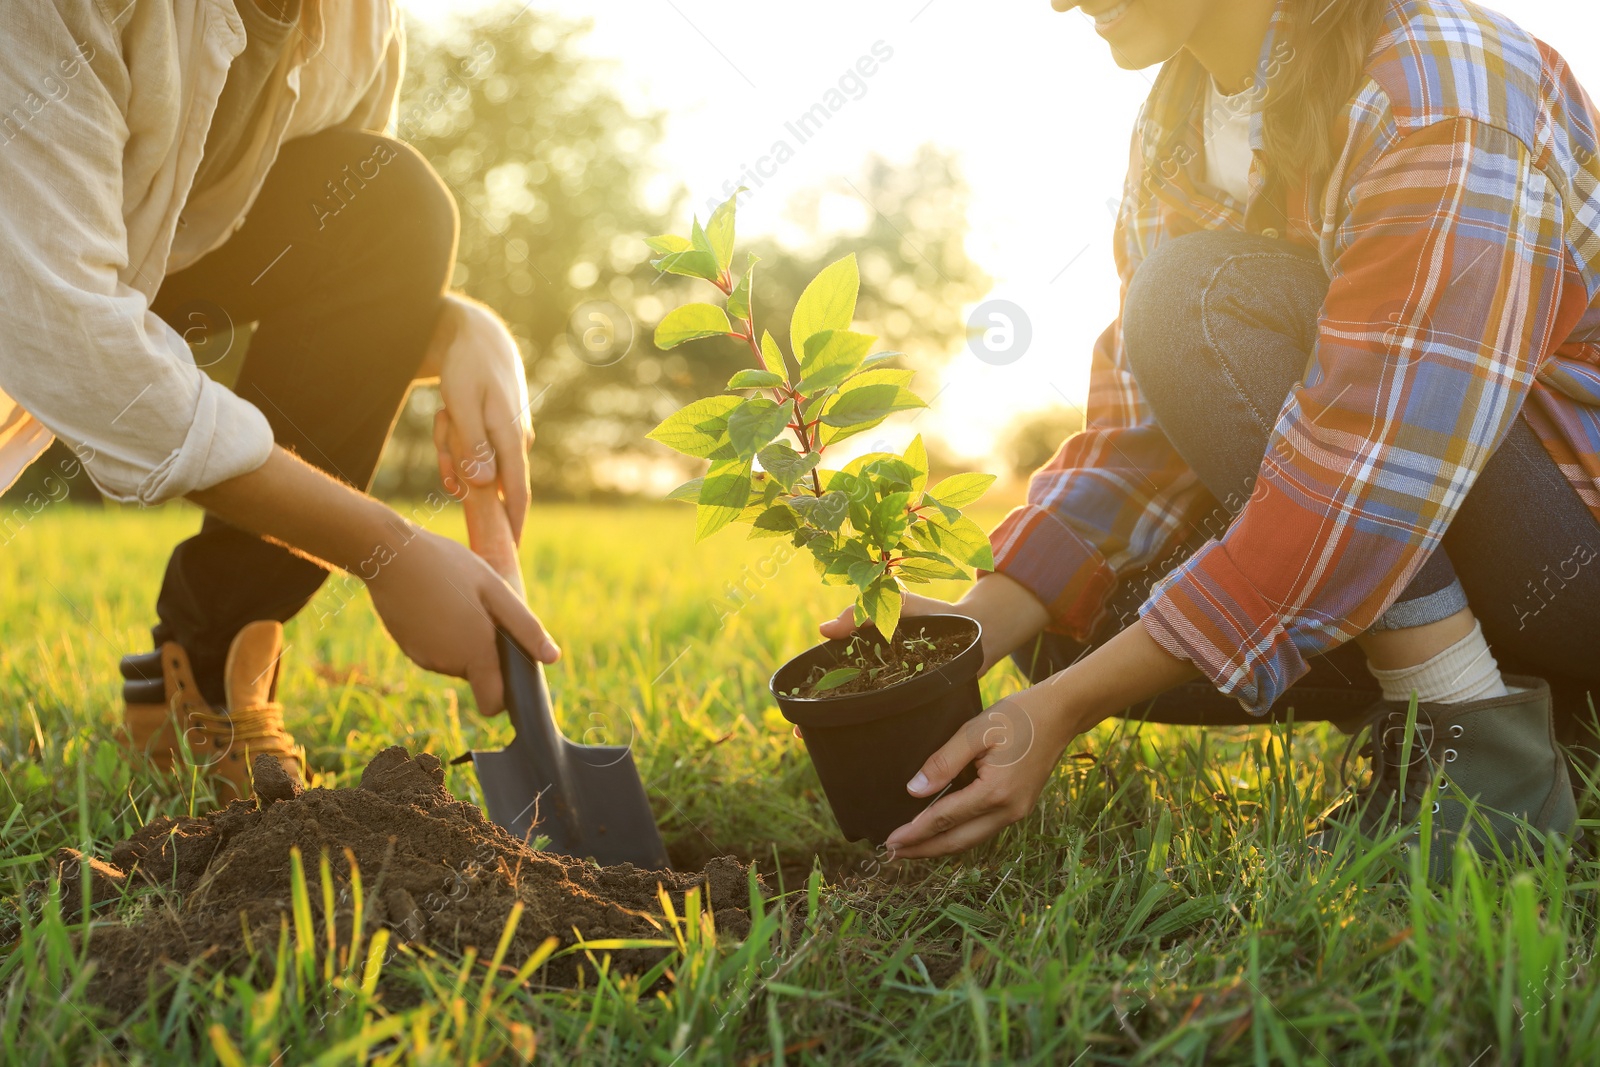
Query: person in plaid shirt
<point x="1342" y="444"/>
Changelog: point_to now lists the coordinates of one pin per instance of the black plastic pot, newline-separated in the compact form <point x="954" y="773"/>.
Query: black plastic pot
<point x="867" y="746"/>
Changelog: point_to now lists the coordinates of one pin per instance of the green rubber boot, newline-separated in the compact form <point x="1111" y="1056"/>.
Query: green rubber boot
<point x="1500" y="752"/>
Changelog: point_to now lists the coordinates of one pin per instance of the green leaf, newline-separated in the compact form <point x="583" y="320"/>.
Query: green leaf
<point x="691" y="263"/>
<point x="699" y="429"/>
<point x="722" y="498"/>
<point x="739" y="299"/>
<point x="786" y="465"/>
<point x="888" y="472"/>
<point x="916" y="456"/>
<point x="858" y="492"/>
<point x="688" y="492"/>
<point x="864" y="573"/>
<point x="831" y="356"/>
<point x="668" y="243"/>
<point x="777" y="520"/>
<point x="814" y="405"/>
<point x="877" y="359"/>
<point x="772" y="355"/>
<point x="825" y="512"/>
<point x="754" y="379"/>
<point x="882" y="376"/>
<point x="754" y="424"/>
<point x="835" y="678"/>
<point x="836" y="559"/>
<point x="862" y="379"/>
<point x="701" y="241"/>
<point x="763" y="492"/>
<point x="959" y="490"/>
<point x="962" y="540"/>
<point x="889" y="518"/>
<point x="719" y="232"/>
<point x="880" y="602"/>
<point x="828" y="303"/>
<point x="844" y="481"/>
<point x="860" y="463"/>
<point x="689" y="322"/>
<point x="929" y="566"/>
<point x="869" y="404"/>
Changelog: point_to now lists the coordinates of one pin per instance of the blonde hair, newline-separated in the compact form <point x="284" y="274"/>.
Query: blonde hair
<point x="1329" y="42"/>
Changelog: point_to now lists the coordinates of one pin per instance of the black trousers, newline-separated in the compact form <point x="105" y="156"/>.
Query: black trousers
<point x="1218" y="328"/>
<point x="342" y="264"/>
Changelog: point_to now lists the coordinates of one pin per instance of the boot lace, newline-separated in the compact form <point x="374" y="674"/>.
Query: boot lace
<point x="249" y="731"/>
<point x="1393" y="774"/>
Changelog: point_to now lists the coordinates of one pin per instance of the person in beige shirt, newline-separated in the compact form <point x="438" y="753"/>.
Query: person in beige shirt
<point x="173" y="168"/>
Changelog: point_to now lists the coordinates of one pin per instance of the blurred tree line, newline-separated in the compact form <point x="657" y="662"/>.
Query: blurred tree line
<point x="1035" y="436"/>
<point x="554" y="178"/>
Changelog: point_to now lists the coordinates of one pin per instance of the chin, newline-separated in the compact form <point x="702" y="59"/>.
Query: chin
<point x="1131" y="62"/>
<point x="1141" y="48"/>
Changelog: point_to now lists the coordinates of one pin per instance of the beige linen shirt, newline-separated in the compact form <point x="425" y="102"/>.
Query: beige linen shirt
<point x="104" y="108"/>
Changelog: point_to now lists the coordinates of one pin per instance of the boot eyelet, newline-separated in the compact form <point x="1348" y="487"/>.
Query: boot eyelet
<point x="1435" y="807"/>
<point x="1450" y="755"/>
<point x="1456" y="729"/>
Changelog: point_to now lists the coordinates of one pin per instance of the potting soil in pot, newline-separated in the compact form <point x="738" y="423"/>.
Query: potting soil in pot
<point x="882" y="667"/>
<point x="433" y="870"/>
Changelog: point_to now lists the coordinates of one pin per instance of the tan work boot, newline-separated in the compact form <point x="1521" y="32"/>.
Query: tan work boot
<point x="223" y="743"/>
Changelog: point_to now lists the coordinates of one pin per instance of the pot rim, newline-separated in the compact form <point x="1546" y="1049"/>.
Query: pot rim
<point x="853" y="708"/>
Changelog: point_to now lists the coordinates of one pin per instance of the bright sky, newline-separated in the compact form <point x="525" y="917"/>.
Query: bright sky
<point x="1029" y="98"/>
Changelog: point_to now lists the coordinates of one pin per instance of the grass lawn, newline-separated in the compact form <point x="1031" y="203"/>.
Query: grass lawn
<point x="1151" y="910"/>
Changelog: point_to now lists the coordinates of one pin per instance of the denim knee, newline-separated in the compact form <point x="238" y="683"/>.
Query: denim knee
<point x="1165" y="304"/>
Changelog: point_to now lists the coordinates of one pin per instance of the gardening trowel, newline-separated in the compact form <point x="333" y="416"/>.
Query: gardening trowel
<point x="587" y="799"/>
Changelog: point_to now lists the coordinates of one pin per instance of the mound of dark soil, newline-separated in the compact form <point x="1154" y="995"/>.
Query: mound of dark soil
<point x="433" y="870"/>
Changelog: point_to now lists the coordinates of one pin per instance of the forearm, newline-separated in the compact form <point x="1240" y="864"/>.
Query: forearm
<point x="1010" y="615"/>
<point x="440" y="603"/>
<point x="292" y="503"/>
<point x="1126" y="671"/>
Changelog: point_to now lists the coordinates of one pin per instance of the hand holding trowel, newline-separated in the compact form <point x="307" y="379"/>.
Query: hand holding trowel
<point x="588" y="799"/>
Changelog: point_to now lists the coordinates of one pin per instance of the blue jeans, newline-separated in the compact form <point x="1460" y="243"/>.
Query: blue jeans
<point x="1218" y="328"/>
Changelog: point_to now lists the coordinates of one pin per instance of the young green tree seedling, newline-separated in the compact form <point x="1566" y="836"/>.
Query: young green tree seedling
<point x="875" y="523"/>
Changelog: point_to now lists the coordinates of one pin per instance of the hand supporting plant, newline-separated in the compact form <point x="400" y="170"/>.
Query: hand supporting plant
<point x="874" y="524"/>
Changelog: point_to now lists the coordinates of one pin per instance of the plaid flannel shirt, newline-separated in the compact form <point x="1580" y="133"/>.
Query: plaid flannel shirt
<point x="1461" y="234"/>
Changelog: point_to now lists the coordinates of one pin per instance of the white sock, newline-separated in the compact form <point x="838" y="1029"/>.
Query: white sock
<point x="1464" y="671"/>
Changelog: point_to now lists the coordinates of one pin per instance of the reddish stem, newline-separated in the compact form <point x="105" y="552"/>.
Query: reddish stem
<point x="802" y="430"/>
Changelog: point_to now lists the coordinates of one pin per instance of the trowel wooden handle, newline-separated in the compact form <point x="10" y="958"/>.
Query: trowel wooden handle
<point x="489" y="534"/>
